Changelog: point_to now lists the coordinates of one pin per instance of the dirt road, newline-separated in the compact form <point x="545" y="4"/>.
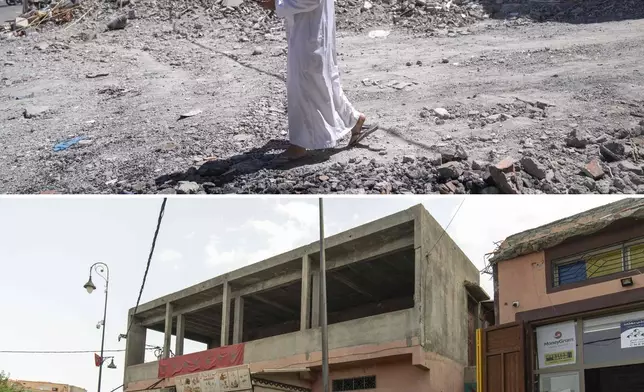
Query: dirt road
<point x="511" y="90"/>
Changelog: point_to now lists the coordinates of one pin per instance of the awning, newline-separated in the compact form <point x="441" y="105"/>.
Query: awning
<point x="476" y="291"/>
<point x="287" y="379"/>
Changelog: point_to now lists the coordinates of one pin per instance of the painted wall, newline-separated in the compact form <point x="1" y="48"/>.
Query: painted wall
<point x="523" y="279"/>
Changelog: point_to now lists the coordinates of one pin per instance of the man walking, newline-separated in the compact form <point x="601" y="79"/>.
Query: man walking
<point x="319" y="114"/>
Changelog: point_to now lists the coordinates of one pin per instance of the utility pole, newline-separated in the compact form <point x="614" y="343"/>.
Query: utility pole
<point x="323" y="314"/>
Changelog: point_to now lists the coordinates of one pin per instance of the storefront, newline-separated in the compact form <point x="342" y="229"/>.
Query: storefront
<point x="588" y="353"/>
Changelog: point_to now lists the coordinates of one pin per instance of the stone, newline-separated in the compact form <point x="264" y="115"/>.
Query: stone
<point x="409" y="64"/>
<point x="593" y="169"/>
<point x="42" y="46"/>
<point x="35" y="111"/>
<point x="619" y="183"/>
<point x="323" y="178"/>
<point x="167" y="146"/>
<point x="603" y="187"/>
<point x="408" y="159"/>
<point x="630" y="167"/>
<point x="366" y="6"/>
<point x="640" y="189"/>
<point x="450" y="171"/>
<point x="506" y="165"/>
<point x="439" y="121"/>
<point x="188" y="187"/>
<point x="577" y="139"/>
<point x="457" y="153"/>
<point x="502" y="180"/>
<point x="445" y="60"/>
<point x="117" y="23"/>
<point x="476" y="165"/>
<point x="613" y="151"/>
<point x="441" y="113"/>
<point x="8" y="63"/>
<point x="534" y="168"/>
<point x="258" y="50"/>
<point x="232" y="3"/>
<point x="494" y="118"/>
<point x="490" y="190"/>
<point x="131" y="14"/>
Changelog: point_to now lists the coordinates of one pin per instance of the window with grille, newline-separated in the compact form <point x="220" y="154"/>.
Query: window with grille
<point x="354" y="384"/>
<point x="598" y="263"/>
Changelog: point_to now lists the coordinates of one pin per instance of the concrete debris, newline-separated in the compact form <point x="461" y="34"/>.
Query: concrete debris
<point x="450" y="171"/>
<point x="593" y="169"/>
<point x="35" y="111"/>
<point x="188" y="187"/>
<point x="117" y="23"/>
<point x="613" y="151"/>
<point x="441" y="113"/>
<point x="533" y="167"/>
<point x="577" y="139"/>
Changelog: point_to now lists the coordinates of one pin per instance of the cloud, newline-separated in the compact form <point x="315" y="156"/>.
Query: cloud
<point x="296" y="225"/>
<point x="169" y="256"/>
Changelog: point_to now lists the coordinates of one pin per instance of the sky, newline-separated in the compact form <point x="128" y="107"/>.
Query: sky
<point x="47" y="246"/>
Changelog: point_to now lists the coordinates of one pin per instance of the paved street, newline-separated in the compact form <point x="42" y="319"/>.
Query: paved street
<point x="9" y="12"/>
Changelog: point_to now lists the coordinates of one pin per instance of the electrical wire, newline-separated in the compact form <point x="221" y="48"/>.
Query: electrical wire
<point x="446" y="227"/>
<point x="147" y="267"/>
<point x="66" y="351"/>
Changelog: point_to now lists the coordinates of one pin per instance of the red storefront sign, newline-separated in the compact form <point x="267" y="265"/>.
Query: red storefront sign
<point x="221" y="357"/>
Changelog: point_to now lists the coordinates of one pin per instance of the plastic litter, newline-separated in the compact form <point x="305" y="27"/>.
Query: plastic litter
<point x="67" y="143"/>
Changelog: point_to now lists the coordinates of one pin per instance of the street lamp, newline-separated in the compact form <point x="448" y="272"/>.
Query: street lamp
<point x="103" y="271"/>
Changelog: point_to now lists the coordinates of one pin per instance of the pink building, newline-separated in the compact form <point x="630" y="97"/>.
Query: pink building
<point x="569" y="298"/>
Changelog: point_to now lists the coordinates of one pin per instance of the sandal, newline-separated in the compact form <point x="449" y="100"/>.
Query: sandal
<point x="364" y="132"/>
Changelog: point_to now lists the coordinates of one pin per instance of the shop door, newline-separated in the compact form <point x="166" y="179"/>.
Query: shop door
<point x="503" y="358"/>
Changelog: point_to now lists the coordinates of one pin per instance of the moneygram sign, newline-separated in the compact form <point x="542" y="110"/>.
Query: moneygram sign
<point x="556" y="344"/>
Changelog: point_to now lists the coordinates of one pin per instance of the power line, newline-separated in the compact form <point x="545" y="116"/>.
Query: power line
<point x="147" y="267"/>
<point x="57" y="352"/>
<point x="67" y="351"/>
<point x="446" y="227"/>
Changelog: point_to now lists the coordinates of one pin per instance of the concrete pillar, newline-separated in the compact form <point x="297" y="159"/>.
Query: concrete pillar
<point x="315" y="299"/>
<point x="225" y="315"/>
<point x="181" y="330"/>
<point x="135" y="344"/>
<point x="305" y="301"/>
<point x="238" y="320"/>
<point x="168" y="330"/>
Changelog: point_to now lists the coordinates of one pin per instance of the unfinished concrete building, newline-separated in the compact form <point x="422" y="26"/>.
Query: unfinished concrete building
<point x="403" y="306"/>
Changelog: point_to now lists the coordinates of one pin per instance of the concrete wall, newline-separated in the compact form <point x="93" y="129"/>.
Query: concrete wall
<point x="524" y="279"/>
<point x="384" y="328"/>
<point x="369" y="330"/>
<point x="443" y="295"/>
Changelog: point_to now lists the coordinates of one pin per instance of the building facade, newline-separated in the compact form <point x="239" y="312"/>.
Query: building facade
<point x="39" y="386"/>
<point x="403" y="305"/>
<point x="569" y="299"/>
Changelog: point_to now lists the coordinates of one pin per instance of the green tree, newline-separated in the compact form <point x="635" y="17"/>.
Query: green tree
<point x="8" y="386"/>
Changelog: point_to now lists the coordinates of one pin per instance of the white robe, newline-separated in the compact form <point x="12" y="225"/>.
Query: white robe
<point x="319" y="114"/>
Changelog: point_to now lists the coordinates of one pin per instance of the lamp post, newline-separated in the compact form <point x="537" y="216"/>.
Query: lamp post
<point x="103" y="271"/>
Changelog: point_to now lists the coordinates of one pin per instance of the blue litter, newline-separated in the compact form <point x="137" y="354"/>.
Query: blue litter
<point x="68" y="143"/>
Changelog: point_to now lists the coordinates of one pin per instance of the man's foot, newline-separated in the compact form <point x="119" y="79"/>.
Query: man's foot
<point x="358" y="132"/>
<point x="292" y="153"/>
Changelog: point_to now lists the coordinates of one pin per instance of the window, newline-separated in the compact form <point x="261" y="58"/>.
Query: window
<point x="602" y="338"/>
<point x="599" y="263"/>
<point x="354" y="384"/>
<point x="559" y="382"/>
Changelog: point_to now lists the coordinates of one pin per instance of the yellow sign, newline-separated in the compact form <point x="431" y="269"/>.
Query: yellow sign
<point x="559" y="358"/>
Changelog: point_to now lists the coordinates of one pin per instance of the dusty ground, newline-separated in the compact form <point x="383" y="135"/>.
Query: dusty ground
<point x="542" y="81"/>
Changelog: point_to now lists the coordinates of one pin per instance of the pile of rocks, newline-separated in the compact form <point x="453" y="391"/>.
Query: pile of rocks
<point x="587" y="11"/>
<point x="417" y="15"/>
